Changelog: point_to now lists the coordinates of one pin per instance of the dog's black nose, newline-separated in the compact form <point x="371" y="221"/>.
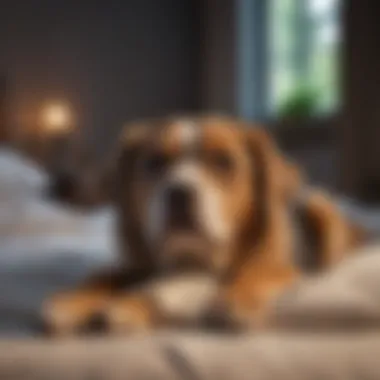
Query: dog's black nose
<point x="179" y="199"/>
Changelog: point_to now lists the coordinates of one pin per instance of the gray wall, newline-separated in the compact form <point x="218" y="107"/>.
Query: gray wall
<point x="119" y="60"/>
<point x="219" y="60"/>
<point x="114" y="60"/>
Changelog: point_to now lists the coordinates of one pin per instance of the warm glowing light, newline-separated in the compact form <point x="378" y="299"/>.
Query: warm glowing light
<point x="57" y="118"/>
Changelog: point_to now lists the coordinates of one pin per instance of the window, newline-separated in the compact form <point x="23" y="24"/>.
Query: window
<point x="303" y="39"/>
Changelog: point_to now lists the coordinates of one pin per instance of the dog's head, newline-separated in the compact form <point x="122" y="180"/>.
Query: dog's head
<point x="193" y="192"/>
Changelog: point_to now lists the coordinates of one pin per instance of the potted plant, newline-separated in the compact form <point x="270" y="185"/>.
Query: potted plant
<point x="298" y="107"/>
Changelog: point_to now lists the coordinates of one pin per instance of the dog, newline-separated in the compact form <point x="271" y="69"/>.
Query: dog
<point x="212" y="197"/>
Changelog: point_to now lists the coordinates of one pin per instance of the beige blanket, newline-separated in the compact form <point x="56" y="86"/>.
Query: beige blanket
<point x="330" y="329"/>
<point x="265" y="357"/>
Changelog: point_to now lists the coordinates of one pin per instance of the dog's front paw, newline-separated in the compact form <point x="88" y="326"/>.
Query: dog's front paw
<point x="131" y="314"/>
<point x="69" y="313"/>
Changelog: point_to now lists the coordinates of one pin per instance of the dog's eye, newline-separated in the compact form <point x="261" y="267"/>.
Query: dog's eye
<point x="222" y="161"/>
<point x="154" y="163"/>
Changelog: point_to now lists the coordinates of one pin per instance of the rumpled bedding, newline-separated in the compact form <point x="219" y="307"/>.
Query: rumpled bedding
<point x="44" y="246"/>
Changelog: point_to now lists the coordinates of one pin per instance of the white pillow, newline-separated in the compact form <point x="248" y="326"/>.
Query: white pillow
<point x="19" y="177"/>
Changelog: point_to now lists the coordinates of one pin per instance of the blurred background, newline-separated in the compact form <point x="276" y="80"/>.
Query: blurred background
<point x="293" y="64"/>
<point x="72" y="73"/>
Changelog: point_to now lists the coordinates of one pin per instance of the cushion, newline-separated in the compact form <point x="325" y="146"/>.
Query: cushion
<point x="346" y="297"/>
<point x="19" y="176"/>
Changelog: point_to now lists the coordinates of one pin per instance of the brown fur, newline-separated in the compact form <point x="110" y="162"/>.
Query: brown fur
<point x="259" y="264"/>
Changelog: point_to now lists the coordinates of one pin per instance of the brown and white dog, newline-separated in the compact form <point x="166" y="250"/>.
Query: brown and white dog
<point x="208" y="195"/>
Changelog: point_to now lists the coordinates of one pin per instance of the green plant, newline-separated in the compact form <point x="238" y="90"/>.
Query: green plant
<point x="300" y="103"/>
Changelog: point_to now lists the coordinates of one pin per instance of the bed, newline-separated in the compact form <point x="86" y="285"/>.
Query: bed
<point x="327" y="328"/>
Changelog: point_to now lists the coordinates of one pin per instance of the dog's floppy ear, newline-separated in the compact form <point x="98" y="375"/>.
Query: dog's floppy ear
<point x="293" y="178"/>
<point x="276" y="178"/>
<point x="131" y="142"/>
<point x="132" y="244"/>
<point x="117" y="167"/>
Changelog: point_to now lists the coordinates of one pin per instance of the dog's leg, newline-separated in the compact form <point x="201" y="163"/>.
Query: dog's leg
<point x="333" y="236"/>
<point x="245" y="301"/>
<point x="171" y="300"/>
<point x="71" y="311"/>
<point x="131" y="313"/>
